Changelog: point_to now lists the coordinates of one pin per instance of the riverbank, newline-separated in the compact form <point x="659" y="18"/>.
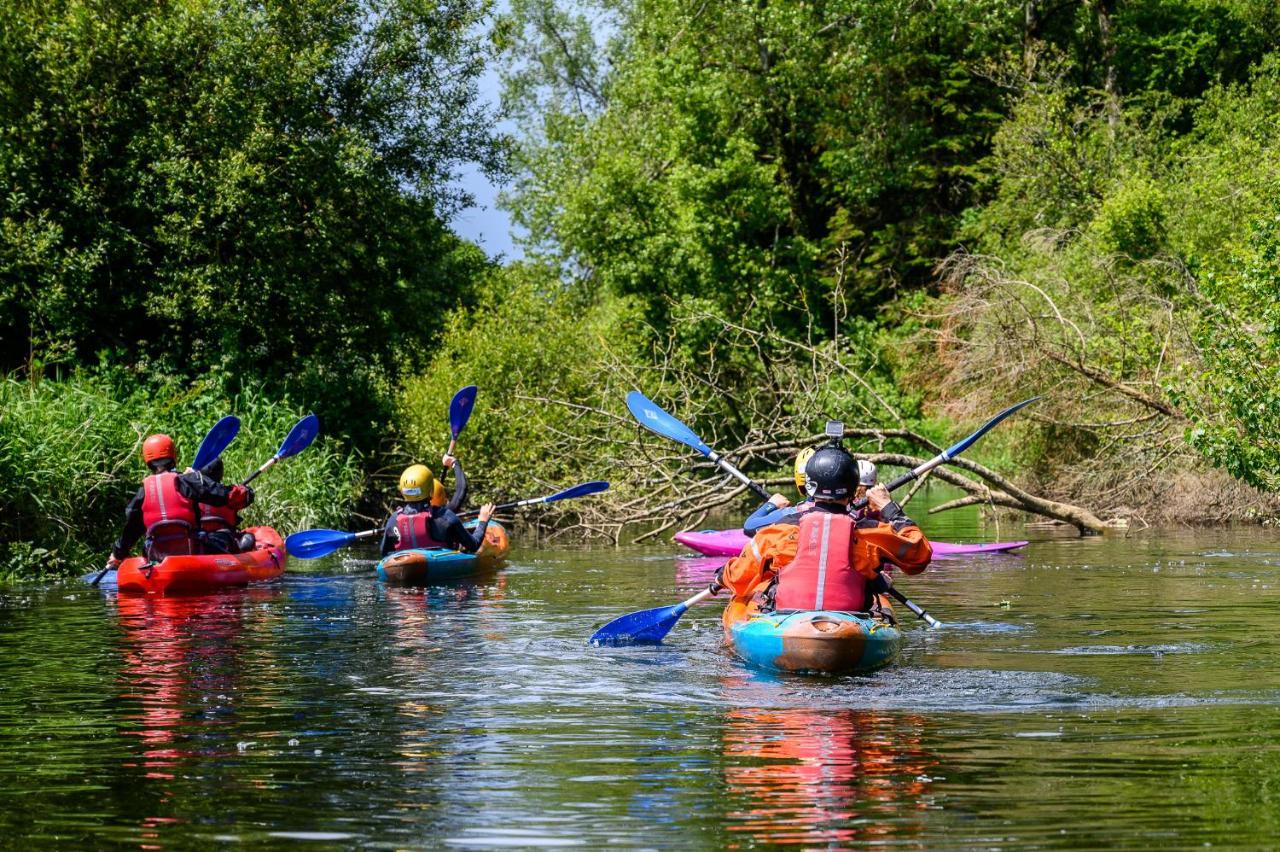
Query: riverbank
<point x="69" y="461"/>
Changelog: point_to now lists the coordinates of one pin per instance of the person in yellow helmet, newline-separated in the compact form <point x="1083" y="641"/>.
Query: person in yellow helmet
<point x="420" y="524"/>
<point x="778" y="509"/>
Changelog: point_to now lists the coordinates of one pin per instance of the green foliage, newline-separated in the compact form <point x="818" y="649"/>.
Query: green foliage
<point x="540" y="356"/>
<point x="252" y="189"/>
<point x="69" y="461"/>
<point x="757" y="159"/>
<point x="1235" y="400"/>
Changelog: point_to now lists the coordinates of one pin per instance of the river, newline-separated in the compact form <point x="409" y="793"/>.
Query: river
<point x="1088" y="692"/>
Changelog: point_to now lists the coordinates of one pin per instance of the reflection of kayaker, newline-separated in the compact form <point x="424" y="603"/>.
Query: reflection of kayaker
<point x="823" y="778"/>
<point x="166" y="508"/>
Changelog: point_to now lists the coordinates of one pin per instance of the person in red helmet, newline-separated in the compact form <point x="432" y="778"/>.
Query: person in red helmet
<point x="220" y="525"/>
<point x="166" y="508"/>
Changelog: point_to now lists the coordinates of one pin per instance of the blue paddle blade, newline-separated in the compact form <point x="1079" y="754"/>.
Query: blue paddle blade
<point x="299" y="437"/>
<point x="959" y="447"/>
<point x="460" y="409"/>
<point x="312" y="544"/>
<point x="647" y="627"/>
<point x="219" y="437"/>
<point x="579" y="491"/>
<point x="653" y="418"/>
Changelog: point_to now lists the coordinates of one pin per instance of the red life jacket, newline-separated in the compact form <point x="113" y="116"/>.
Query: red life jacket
<point x="170" y="518"/>
<point x="822" y="575"/>
<point x="214" y="518"/>
<point x="415" y="531"/>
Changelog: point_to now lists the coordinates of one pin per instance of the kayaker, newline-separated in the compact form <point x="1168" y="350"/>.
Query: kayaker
<point x="166" y="507"/>
<point x="777" y="509"/>
<point x="828" y="560"/>
<point x="419" y="524"/>
<point x="220" y="525"/>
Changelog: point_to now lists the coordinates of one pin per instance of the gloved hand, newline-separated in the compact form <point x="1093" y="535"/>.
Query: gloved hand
<point x="717" y="583"/>
<point x="240" y="497"/>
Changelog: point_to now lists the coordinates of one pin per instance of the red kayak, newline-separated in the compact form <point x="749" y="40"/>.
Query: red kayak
<point x="207" y="571"/>
<point x="731" y="542"/>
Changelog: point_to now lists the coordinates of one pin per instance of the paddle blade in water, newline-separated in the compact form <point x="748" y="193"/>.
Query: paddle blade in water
<point x="219" y="437"/>
<point x="460" y="409"/>
<point x="312" y="544"/>
<point x="299" y="437"/>
<point x="579" y="491"/>
<point x="647" y="627"/>
<point x="653" y="418"/>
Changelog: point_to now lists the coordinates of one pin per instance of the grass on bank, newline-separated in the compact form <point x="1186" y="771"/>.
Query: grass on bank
<point x="70" y="460"/>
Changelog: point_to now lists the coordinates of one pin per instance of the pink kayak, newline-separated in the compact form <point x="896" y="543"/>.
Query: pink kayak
<point x="731" y="542"/>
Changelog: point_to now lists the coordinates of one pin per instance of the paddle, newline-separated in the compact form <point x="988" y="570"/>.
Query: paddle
<point x="215" y="441"/>
<point x="460" y="408"/>
<point x="653" y="418"/>
<point x="576" y="491"/>
<point x="298" y="439"/>
<point x="952" y="451"/>
<point x="312" y="544"/>
<point x="650" y="626"/>
<point x="647" y="627"/>
<point x="219" y="437"/>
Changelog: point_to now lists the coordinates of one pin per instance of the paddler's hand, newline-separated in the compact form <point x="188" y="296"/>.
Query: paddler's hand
<point x="486" y="512"/>
<point x="448" y="460"/>
<point x="779" y="501"/>
<point x="112" y="562"/>
<point x="878" y="497"/>
<point x="717" y="583"/>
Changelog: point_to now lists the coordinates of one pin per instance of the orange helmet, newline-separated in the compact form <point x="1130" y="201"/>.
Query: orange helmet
<point x="159" y="446"/>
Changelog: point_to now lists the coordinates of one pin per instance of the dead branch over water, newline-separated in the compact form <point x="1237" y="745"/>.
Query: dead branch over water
<point x="661" y="487"/>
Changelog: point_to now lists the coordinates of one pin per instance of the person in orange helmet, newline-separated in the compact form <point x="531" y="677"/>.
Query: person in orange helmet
<point x="166" y="509"/>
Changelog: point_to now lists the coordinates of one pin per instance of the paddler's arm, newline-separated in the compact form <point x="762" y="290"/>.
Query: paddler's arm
<point x="390" y="535"/>
<point x="459" y="483"/>
<point x="459" y="537"/>
<point x="897" y="537"/>
<point x="771" y="512"/>
<point x="133" y="528"/>
<point x="198" y="487"/>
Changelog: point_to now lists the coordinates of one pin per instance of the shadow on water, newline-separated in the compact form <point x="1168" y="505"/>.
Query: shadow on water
<point x="1086" y="692"/>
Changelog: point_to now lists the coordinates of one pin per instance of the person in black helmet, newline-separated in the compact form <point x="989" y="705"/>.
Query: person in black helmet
<point x="832" y="559"/>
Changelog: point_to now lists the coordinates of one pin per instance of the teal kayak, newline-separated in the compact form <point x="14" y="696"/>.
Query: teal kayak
<point x="814" y="641"/>
<point x="421" y="567"/>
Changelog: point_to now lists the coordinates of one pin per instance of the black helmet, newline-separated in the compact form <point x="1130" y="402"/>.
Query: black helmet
<point x="832" y="473"/>
<point x="213" y="469"/>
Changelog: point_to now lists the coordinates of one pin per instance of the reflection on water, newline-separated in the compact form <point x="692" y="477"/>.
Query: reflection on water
<point x="817" y="777"/>
<point x="1091" y="693"/>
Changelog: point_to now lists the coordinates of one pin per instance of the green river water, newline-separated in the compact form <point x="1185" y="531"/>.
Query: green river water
<point x="1115" y="692"/>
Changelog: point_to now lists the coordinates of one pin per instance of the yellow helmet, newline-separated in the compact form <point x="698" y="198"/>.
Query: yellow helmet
<point x="438" y="495"/>
<point x="416" y="483"/>
<point x="802" y="459"/>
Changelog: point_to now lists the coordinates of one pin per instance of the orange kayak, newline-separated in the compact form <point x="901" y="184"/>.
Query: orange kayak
<point x="207" y="571"/>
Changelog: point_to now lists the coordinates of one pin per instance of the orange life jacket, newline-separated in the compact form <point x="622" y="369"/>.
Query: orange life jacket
<point x="415" y="531"/>
<point x="214" y="518"/>
<point x="169" y="517"/>
<point x="822" y="575"/>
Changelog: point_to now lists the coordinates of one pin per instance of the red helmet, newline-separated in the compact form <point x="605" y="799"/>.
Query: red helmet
<point x="159" y="447"/>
